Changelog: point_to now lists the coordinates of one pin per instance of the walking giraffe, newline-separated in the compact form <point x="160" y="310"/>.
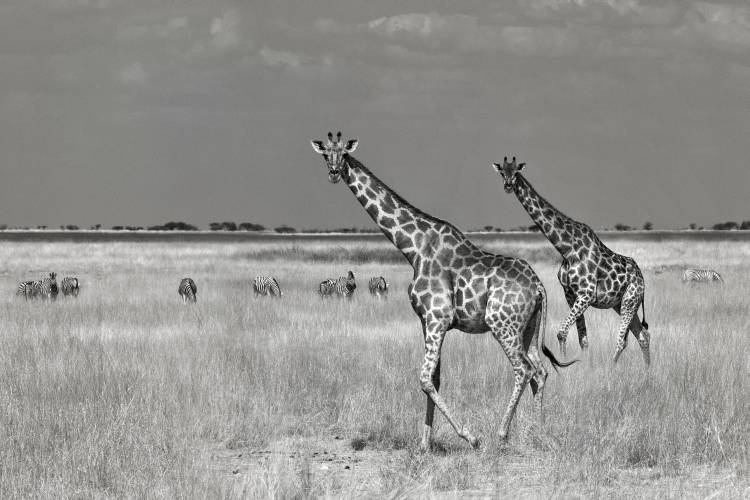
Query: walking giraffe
<point x="591" y="274"/>
<point x="455" y="285"/>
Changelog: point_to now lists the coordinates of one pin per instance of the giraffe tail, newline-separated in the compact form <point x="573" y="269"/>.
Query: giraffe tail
<point x="643" y="308"/>
<point x="543" y="328"/>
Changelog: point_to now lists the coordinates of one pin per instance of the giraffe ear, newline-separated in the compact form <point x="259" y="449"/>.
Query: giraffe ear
<point x="351" y="145"/>
<point x="497" y="167"/>
<point x="318" y="146"/>
<point x="521" y="165"/>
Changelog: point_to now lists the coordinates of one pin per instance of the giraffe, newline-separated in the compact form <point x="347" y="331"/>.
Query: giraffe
<point x="591" y="274"/>
<point x="455" y="285"/>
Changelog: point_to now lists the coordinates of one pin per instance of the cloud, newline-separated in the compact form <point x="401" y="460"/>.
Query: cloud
<point x="615" y="12"/>
<point x="132" y="74"/>
<point x="163" y="30"/>
<point x="722" y="25"/>
<point x="464" y="33"/>
<point x="280" y="58"/>
<point x="224" y="31"/>
<point x="81" y="4"/>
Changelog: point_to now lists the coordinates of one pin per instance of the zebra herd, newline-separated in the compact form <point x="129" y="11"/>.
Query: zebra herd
<point x="343" y="286"/>
<point x="47" y="288"/>
<point x="701" y="276"/>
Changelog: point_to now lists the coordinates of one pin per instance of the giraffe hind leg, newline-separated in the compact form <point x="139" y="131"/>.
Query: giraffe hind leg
<point x="508" y="331"/>
<point x="539" y="378"/>
<point x="627" y="312"/>
<point x="640" y="332"/>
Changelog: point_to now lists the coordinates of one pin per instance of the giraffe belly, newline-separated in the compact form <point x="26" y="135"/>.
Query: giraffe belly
<point x="606" y="298"/>
<point x="471" y="324"/>
<point x="469" y="318"/>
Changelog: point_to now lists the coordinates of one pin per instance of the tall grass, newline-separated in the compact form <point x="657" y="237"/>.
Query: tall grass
<point x="118" y="393"/>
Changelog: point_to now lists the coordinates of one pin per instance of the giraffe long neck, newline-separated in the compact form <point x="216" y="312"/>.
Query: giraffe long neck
<point x="403" y="224"/>
<point x="554" y="224"/>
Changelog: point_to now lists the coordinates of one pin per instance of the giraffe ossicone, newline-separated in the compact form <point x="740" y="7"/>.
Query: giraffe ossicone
<point x="591" y="274"/>
<point x="455" y="285"/>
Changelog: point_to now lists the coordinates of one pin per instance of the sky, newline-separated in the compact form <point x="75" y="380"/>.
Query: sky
<point x="138" y="112"/>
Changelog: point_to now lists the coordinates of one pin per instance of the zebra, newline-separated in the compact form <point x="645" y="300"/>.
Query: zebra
<point x="45" y="288"/>
<point x="701" y="275"/>
<point x="266" y="285"/>
<point x="70" y="286"/>
<point x="327" y="288"/>
<point x="342" y="286"/>
<point x="378" y="286"/>
<point x="26" y="290"/>
<point x="188" y="290"/>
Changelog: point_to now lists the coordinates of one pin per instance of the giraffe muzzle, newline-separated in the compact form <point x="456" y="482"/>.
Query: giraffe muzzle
<point x="508" y="187"/>
<point x="334" y="176"/>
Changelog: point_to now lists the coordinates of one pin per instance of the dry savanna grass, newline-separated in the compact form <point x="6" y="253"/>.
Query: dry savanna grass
<point x="128" y="392"/>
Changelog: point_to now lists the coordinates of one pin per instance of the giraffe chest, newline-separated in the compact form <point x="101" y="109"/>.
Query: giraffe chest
<point x="458" y="303"/>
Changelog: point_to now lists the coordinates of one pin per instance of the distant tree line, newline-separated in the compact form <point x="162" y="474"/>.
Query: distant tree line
<point x="250" y="226"/>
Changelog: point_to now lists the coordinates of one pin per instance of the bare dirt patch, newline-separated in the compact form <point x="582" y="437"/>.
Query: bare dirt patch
<point x="329" y="466"/>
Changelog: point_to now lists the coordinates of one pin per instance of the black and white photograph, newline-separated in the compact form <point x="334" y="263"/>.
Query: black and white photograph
<point x="403" y="249"/>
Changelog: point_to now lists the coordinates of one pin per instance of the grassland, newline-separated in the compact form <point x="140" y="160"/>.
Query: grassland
<point x="127" y="392"/>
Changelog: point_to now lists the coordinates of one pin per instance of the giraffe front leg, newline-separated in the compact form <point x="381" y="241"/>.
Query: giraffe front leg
<point x="434" y="335"/>
<point x="427" y="431"/>
<point x="570" y="298"/>
<point x="580" y="305"/>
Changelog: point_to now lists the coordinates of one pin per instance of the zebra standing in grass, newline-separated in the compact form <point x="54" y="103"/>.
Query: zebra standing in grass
<point x="70" y="286"/>
<point x="701" y="275"/>
<point x="46" y="288"/>
<point x="26" y="289"/>
<point x="266" y="285"/>
<point x="188" y="290"/>
<point x="343" y="286"/>
<point x="378" y="286"/>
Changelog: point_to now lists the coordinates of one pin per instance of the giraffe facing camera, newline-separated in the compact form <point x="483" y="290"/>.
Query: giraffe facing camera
<point x="591" y="274"/>
<point x="455" y="285"/>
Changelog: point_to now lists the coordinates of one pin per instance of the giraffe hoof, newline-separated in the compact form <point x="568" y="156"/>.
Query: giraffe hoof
<point x="584" y="343"/>
<point x="473" y="442"/>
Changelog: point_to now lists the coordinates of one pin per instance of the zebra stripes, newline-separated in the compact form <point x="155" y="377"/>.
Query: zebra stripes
<point x="343" y="286"/>
<point x="266" y="285"/>
<point x="26" y="289"/>
<point x="378" y="286"/>
<point x="188" y="290"/>
<point x="45" y="288"/>
<point x="70" y="286"/>
<point x="701" y="275"/>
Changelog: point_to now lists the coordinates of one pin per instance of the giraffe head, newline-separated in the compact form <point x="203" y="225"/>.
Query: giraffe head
<point x="508" y="171"/>
<point x="333" y="153"/>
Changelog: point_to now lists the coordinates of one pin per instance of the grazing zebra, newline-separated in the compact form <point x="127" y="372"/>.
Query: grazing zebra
<point x="188" y="290"/>
<point x="343" y="286"/>
<point x="26" y="289"/>
<point x="70" y="286"/>
<point x="378" y="286"/>
<point x="266" y="285"/>
<point x="45" y="288"/>
<point x="327" y="288"/>
<point x="701" y="275"/>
